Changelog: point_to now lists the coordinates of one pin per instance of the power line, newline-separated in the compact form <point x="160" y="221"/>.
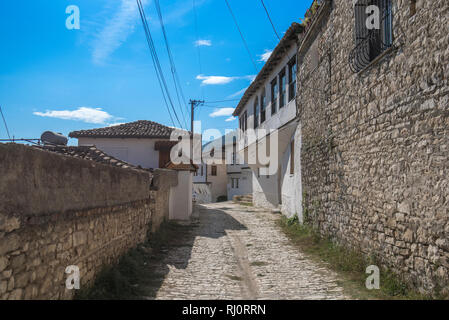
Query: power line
<point x="157" y="65"/>
<point x="172" y="63"/>
<point x="151" y="46"/>
<point x="271" y="21"/>
<point x="241" y="35"/>
<point x="4" y="121"/>
<point x="195" y="14"/>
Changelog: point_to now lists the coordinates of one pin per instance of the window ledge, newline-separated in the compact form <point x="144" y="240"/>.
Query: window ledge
<point x="379" y="58"/>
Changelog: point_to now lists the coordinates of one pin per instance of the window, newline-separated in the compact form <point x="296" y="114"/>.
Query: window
<point x="274" y="96"/>
<point x="262" y="107"/>
<point x="282" y="89"/>
<point x="202" y="170"/>
<point x="292" y="79"/>
<point x="214" y="171"/>
<point x="292" y="157"/>
<point x="256" y="113"/>
<point x="373" y="32"/>
<point x="232" y="183"/>
<point x="243" y="122"/>
<point x="237" y="183"/>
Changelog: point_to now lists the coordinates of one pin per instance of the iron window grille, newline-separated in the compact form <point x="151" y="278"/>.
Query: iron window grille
<point x="370" y="43"/>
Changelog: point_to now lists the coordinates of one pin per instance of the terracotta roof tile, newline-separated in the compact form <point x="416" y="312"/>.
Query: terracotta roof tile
<point x="181" y="167"/>
<point x="89" y="153"/>
<point x="138" y="129"/>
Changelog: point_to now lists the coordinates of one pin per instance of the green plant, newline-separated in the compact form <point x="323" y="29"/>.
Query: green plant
<point x="350" y="263"/>
<point x="128" y="279"/>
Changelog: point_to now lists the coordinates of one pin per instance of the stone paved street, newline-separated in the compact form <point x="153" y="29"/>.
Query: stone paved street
<point x="236" y="252"/>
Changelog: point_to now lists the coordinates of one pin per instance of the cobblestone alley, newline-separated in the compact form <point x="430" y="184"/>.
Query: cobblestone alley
<point x="236" y="252"/>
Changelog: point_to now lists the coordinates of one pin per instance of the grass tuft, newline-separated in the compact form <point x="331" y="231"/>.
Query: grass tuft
<point x="130" y="277"/>
<point x="350" y="264"/>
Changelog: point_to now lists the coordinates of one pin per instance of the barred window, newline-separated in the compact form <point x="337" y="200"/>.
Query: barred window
<point x="373" y="32"/>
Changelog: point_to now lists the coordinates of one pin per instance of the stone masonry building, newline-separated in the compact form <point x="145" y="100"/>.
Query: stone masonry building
<point x="374" y="110"/>
<point x="371" y="132"/>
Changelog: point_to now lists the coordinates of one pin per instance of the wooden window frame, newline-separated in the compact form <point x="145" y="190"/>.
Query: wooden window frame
<point x="292" y="79"/>
<point x="282" y="89"/>
<point x="263" y="106"/>
<point x="256" y="113"/>
<point x="274" y="96"/>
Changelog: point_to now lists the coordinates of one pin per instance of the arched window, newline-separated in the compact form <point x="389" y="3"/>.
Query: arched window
<point x="256" y="113"/>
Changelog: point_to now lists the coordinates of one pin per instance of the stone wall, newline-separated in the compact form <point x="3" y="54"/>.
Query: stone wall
<point x="57" y="211"/>
<point x="375" y="162"/>
<point x="36" y="182"/>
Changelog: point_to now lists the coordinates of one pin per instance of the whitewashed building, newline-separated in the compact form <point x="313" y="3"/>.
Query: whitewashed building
<point x="146" y="144"/>
<point x="268" y="112"/>
<point x="227" y="176"/>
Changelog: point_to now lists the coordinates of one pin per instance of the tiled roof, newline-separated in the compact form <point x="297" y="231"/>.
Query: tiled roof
<point x="138" y="129"/>
<point x="278" y="53"/>
<point x="89" y="153"/>
<point x="181" y="167"/>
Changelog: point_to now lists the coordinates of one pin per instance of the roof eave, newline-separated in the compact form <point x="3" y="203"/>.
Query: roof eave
<point x="289" y="37"/>
<point x="77" y="136"/>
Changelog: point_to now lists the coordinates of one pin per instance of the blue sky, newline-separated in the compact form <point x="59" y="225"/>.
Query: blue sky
<point x="52" y="78"/>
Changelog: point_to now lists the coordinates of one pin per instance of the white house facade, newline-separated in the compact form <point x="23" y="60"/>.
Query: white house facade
<point x="146" y="144"/>
<point x="268" y="125"/>
<point x="222" y="174"/>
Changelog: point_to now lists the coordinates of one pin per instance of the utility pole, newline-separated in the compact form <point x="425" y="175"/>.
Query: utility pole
<point x="193" y="105"/>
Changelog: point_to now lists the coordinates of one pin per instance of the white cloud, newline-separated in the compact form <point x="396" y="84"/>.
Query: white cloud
<point x="214" y="80"/>
<point x="85" y="114"/>
<point x="265" y="56"/>
<point x="231" y="119"/>
<point x="222" y="112"/>
<point x="203" y="43"/>
<point x="116" y="30"/>
<point x="219" y="80"/>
